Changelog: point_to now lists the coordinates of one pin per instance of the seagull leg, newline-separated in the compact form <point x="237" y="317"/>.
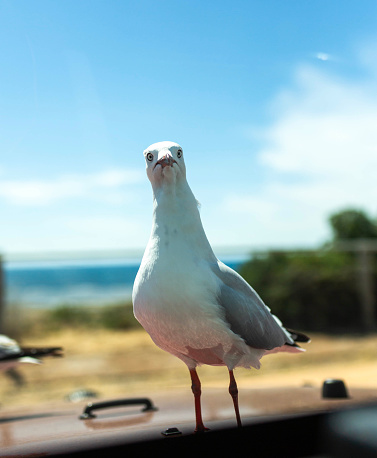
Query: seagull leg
<point x="233" y="391"/>
<point x="196" y="389"/>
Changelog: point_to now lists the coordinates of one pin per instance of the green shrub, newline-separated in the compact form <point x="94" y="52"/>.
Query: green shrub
<point x="117" y="316"/>
<point x="69" y="316"/>
<point x="311" y="291"/>
<point x="113" y="316"/>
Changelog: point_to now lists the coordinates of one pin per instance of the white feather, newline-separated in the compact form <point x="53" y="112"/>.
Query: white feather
<point x="191" y="304"/>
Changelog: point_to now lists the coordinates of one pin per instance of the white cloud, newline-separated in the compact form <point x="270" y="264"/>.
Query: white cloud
<point x="323" y="56"/>
<point x="320" y="156"/>
<point x="327" y="128"/>
<point x="110" y="231"/>
<point x="252" y="205"/>
<point x="114" y="178"/>
<point x="44" y="192"/>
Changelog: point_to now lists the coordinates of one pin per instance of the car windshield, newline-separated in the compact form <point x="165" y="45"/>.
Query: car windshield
<point x="273" y="106"/>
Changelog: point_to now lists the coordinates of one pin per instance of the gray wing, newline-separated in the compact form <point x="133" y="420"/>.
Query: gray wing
<point x="246" y="313"/>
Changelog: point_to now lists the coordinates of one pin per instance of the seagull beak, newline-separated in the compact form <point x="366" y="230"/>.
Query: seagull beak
<point x="166" y="160"/>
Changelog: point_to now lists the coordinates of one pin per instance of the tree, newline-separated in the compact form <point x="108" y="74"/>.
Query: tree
<point x="318" y="291"/>
<point x="352" y="224"/>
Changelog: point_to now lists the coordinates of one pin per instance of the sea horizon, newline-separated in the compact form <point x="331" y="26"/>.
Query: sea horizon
<point x="47" y="284"/>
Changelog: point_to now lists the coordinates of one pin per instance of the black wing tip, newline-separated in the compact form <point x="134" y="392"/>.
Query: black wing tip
<point x="298" y="336"/>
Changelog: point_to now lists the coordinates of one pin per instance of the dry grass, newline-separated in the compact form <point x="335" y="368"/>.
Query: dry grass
<point x="123" y="363"/>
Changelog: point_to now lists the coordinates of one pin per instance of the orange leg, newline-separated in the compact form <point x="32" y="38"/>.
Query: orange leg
<point x="233" y="390"/>
<point x="196" y="389"/>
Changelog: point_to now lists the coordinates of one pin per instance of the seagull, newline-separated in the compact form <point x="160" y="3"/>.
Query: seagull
<point x="11" y="354"/>
<point x="190" y="303"/>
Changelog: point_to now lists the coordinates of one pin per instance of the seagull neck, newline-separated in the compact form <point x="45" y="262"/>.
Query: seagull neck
<point x="176" y="203"/>
<point x="176" y="212"/>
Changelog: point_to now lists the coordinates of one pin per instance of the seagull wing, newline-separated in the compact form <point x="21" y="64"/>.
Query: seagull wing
<point x="9" y="350"/>
<point x="40" y="352"/>
<point x="246" y="313"/>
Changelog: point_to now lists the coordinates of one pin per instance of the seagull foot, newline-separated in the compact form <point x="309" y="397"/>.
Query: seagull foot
<point x="200" y="430"/>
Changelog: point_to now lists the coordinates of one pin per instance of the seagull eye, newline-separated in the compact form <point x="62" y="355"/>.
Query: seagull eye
<point x="150" y="157"/>
<point x="179" y="153"/>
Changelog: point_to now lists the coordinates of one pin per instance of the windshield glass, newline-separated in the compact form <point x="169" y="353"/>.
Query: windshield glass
<point x="273" y="106"/>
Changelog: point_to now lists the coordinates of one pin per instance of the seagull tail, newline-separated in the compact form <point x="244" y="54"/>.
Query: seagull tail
<point x="291" y="347"/>
<point x="298" y="336"/>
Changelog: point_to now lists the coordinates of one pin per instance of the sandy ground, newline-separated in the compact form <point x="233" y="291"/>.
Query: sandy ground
<point x="128" y="363"/>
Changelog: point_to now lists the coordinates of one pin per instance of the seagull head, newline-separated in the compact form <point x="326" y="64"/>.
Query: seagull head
<point x="165" y="164"/>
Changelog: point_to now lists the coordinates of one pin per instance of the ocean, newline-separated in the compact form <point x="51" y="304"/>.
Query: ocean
<point x="50" y="284"/>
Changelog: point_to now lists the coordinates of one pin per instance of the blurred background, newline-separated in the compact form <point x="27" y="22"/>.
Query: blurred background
<point x="275" y="106"/>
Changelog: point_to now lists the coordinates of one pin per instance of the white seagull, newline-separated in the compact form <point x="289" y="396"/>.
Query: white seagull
<point x="191" y="304"/>
<point x="11" y="354"/>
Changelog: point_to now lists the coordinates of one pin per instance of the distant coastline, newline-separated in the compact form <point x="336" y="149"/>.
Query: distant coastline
<point x="47" y="284"/>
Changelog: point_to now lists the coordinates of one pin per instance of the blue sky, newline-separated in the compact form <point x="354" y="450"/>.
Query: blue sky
<point x="274" y="104"/>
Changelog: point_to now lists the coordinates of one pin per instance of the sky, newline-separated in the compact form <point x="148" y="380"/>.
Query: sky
<point x="274" y="104"/>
